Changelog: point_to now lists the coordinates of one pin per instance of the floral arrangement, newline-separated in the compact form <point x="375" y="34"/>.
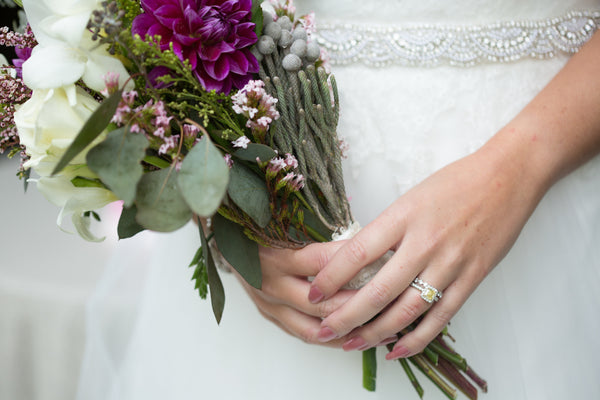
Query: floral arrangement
<point x="185" y="108"/>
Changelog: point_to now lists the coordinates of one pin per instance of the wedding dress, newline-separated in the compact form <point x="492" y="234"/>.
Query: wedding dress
<point x="530" y="328"/>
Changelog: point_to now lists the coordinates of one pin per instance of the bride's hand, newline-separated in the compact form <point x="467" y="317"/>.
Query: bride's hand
<point x="450" y="231"/>
<point x="283" y="299"/>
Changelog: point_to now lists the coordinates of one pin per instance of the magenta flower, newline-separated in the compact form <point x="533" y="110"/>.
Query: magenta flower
<point x="213" y="35"/>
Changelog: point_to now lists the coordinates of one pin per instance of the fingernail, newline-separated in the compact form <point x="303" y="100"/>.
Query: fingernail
<point x="354" y="343"/>
<point x="315" y="295"/>
<point x="326" y="334"/>
<point x="389" y="340"/>
<point x="398" y="352"/>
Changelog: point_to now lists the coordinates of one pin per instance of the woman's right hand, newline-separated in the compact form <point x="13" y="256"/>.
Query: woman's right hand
<point x="283" y="299"/>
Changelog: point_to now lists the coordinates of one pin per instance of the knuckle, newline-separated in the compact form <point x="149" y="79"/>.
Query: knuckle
<point x="307" y="336"/>
<point x="324" y="309"/>
<point x="408" y="313"/>
<point x="378" y="295"/>
<point x="441" y="316"/>
<point x="357" y="251"/>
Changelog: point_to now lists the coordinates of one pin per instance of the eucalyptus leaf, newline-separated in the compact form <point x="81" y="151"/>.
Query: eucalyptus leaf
<point x="92" y="128"/>
<point x="160" y="205"/>
<point x="117" y="161"/>
<point x="249" y="192"/>
<point x="238" y="250"/>
<point x="203" y="178"/>
<point x="254" y="150"/>
<point x="128" y="226"/>
<point x="217" y="293"/>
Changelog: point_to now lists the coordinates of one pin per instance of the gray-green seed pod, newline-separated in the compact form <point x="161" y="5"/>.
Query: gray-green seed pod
<point x="257" y="54"/>
<point x="298" y="48"/>
<point x="265" y="44"/>
<point x="291" y="63"/>
<point x="273" y="30"/>
<point x="285" y="23"/>
<point x="267" y="18"/>
<point x="286" y="39"/>
<point x="313" y="52"/>
<point x="299" y="33"/>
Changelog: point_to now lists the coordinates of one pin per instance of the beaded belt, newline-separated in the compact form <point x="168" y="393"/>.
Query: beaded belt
<point x="432" y="45"/>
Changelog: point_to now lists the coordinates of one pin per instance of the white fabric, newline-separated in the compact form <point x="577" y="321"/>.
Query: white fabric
<point x="530" y="329"/>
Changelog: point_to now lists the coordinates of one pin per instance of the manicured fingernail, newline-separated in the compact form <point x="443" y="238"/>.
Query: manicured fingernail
<point x="398" y="352"/>
<point x="389" y="340"/>
<point x="315" y="295"/>
<point x="354" y="343"/>
<point x="326" y="334"/>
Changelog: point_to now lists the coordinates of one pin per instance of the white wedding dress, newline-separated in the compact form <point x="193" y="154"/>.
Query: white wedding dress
<point x="530" y="328"/>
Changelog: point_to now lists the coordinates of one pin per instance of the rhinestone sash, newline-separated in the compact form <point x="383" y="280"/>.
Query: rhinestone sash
<point x="432" y="45"/>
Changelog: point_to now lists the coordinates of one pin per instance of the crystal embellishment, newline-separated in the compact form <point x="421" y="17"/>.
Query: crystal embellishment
<point x="433" y="45"/>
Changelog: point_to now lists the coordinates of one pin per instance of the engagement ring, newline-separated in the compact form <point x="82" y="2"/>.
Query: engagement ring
<point x="428" y="292"/>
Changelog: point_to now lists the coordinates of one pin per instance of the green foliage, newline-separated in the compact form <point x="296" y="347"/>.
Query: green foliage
<point x="160" y="205"/>
<point x="238" y="250"/>
<point x="257" y="16"/>
<point x="92" y="128"/>
<point x="254" y="150"/>
<point x="200" y="276"/>
<point x="217" y="293"/>
<point x="117" y="161"/>
<point x="128" y="225"/>
<point x="249" y="192"/>
<point x="132" y="9"/>
<point x="203" y="178"/>
<point x="80" y="181"/>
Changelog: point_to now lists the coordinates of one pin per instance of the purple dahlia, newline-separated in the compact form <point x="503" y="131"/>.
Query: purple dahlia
<point x="213" y="35"/>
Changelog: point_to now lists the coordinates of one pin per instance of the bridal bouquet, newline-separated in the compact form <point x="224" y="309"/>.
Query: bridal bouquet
<point x="182" y="109"/>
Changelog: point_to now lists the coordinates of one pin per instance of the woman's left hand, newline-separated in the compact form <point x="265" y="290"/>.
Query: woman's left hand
<point x="450" y="231"/>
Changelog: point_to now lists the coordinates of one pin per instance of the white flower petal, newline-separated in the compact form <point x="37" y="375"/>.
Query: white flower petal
<point x="53" y="66"/>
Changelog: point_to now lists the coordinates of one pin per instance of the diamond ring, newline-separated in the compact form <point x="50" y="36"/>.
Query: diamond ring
<point x="428" y="292"/>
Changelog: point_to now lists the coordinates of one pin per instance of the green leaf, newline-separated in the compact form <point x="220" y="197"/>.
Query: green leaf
<point x="257" y="16"/>
<point x="217" y="293"/>
<point x="128" y="226"/>
<point x="160" y="205"/>
<point x="254" y="150"/>
<point x="238" y="250"/>
<point x="200" y="276"/>
<point x="249" y="192"/>
<point x="92" y="128"/>
<point x="157" y="162"/>
<point x="26" y="175"/>
<point x="117" y="161"/>
<point x="203" y="178"/>
<point x="19" y="3"/>
<point x="80" y="181"/>
<point x="369" y="369"/>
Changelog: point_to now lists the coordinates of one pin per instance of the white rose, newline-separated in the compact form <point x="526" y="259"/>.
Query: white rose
<point x="47" y="124"/>
<point x="66" y="52"/>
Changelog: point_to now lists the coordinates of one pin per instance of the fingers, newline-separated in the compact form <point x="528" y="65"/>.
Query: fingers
<point x="367" y="246"/>
<point x="292" y="291"/>
<point x="398" y="313"/>
<point x="307" y="261"/>
<point x="383" y="289"/>
<point x="430" y="326"/>
<point x="291" y="321"/>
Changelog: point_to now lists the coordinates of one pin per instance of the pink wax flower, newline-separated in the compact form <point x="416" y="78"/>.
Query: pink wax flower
<point x="213" y="35"/>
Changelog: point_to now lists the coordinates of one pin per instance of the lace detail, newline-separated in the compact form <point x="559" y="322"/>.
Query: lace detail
<point x="432" y="45"/>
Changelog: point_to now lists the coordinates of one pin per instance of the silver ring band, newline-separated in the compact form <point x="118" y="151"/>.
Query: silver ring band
<point x="428" y="292"/>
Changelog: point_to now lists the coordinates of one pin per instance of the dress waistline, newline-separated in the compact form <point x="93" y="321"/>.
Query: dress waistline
<point x="456" y="45"/>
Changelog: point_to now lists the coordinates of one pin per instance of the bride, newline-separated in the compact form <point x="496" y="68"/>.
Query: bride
<point x="458" y="168"/>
